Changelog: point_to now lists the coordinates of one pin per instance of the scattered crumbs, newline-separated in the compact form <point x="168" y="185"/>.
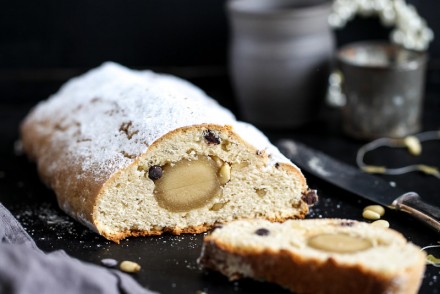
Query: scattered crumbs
<point x="327" y="207"/>
<point x="393" y="184"/>
<point x="46" y="213"/>
<point x="109" y="262"/>
<point x="191" y="265"/>
<point x="57" y="223"/>
<point x="433" y="281"/>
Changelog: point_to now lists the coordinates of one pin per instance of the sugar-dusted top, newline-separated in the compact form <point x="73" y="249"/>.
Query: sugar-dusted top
<point x="110" y="115"/>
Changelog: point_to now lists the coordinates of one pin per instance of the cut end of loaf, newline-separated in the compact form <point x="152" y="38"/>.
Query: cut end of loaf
<point x="316" y="256"/>
<point x="194" y="178"/>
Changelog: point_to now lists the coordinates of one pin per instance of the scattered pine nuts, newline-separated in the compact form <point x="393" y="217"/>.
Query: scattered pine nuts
<point x="371" y="215"/>
<point x="381" y="223"/>
<point x="413" y="145"/>
<point x="129" y="266"/>
<point x="376" y="208"/>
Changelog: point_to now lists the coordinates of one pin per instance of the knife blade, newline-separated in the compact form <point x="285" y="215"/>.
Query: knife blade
<point x="352" y="179"/>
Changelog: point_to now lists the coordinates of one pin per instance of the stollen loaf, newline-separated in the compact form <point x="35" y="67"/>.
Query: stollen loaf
<point x="316" y="256"/>
<point x="136" y="153"/>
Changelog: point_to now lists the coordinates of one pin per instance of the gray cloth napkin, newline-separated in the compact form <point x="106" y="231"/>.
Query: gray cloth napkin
<point x="24" y="268"/>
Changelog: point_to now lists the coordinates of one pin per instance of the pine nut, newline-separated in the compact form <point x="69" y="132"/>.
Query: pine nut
<point x="376" y="208"/>
<point x="224" y="173"/>
<point x="371" y="215"/>
<point x="381" y="223"/>
<point x="217" y="160"/>
<point x="413" y="145"/>
<point x="129" y="266"/>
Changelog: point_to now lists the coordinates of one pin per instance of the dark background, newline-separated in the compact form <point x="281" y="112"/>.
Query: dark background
<point x="54" y="40"/>
<point x="81" y="33"/>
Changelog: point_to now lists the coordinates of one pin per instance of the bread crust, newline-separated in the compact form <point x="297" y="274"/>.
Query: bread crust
<point x="77" y="198"/>
<point x="303" y="274"/>
<point x="308" y="276"/>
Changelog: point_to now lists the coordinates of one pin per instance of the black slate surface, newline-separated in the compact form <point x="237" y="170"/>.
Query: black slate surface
<point x="169" y="262"/>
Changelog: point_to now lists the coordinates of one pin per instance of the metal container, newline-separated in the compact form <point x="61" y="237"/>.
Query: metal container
<point x="384" y="85"/>
<point x="280" y="55"/>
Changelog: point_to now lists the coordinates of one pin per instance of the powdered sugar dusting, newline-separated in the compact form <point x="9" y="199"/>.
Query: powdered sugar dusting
<point x="252" y="135"/>
<point x="107" y="117"/>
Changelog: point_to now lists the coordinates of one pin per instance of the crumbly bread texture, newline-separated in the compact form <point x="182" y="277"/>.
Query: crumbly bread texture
<point x="316" y="256"/>
<point x="132" y="153"/>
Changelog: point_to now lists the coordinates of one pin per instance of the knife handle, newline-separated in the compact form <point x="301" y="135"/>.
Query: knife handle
<point x="413" y="204"/>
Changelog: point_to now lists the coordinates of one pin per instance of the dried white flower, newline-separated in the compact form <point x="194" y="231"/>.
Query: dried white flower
<point x="411" y="31"/>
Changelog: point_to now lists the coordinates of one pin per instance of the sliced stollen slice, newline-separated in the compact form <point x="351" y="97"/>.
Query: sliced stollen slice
<point x="316" y="256"/>
<point x="135" y="153"/>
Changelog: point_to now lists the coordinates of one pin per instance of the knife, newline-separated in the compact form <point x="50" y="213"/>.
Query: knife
<point x="360" y="183"/>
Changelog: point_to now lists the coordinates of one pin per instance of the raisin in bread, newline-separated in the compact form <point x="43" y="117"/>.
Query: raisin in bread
<point x="132" y="153"/>
<point x="316" y="256"/>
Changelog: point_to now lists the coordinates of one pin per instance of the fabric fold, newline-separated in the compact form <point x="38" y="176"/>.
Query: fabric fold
<point x="24" y="268"/>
